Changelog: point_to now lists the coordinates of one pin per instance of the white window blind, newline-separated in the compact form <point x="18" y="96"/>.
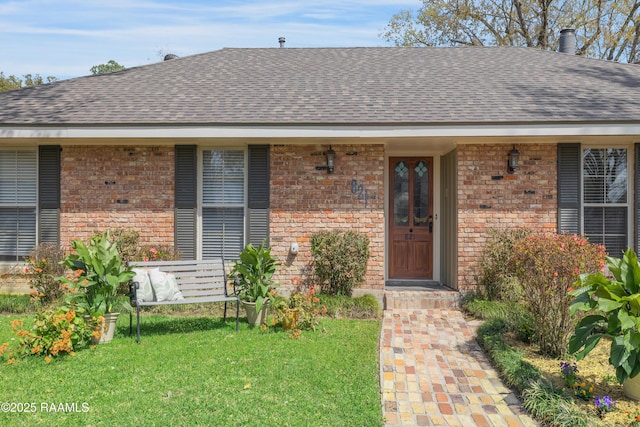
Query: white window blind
<point x="18" y="193"/>
<point x="605" y="198"/>
<point x="223" y="203"/>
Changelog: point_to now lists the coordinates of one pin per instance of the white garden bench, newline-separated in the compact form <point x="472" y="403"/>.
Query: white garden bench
<point x="198" y="281"/>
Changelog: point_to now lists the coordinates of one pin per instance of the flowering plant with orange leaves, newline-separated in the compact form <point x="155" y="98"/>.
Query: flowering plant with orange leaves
<point x="54" y="332"/>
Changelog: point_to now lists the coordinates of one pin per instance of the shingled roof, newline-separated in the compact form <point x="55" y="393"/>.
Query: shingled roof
<point x="341" y="86"/>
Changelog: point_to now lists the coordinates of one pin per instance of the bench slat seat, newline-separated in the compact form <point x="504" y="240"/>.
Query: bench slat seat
<point x="199" y="282"/>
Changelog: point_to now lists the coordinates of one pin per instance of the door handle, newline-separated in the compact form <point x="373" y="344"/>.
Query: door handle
<point x="430" y="219"/>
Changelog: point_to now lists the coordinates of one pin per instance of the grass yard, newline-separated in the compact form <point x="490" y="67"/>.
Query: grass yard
<point x="192" y="371"/>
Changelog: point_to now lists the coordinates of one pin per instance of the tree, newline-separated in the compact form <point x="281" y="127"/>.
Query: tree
<point x="109" y="67"/>
<point x="606" y="29"/>
<point x="12" y="82"/>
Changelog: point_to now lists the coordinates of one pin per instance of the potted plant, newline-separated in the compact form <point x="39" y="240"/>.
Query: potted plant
<point x="97" y="273"/>
<point x="613" y="306"/>
<point x="252" y="275"/>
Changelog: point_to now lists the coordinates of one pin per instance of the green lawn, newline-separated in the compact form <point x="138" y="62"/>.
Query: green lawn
<point x="191" y="371"/>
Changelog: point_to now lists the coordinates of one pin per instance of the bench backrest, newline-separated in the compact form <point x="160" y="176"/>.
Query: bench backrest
<point x="195" y="278"/>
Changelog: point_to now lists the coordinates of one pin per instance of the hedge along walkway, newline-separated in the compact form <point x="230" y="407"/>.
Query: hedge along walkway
<point x="434" y="373"/>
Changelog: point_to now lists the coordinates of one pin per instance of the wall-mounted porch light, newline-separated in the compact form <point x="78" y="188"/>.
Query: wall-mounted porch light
<point x="512" y="162"/>
<point x="331" y="156"/>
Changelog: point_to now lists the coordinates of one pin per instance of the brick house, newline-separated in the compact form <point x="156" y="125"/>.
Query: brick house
<point x="211" y="151"/>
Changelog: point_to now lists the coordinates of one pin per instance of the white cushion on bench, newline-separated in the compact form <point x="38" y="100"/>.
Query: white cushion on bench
<point x="145" y="290"/>
<point x="164" y="285"/>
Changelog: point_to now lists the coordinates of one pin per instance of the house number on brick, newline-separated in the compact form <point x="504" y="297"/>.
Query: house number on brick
<point x="363" y="194"/>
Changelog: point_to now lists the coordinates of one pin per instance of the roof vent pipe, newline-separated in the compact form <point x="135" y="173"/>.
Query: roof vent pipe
<point x="281" y="41"/>
<point x="568" y="41"/>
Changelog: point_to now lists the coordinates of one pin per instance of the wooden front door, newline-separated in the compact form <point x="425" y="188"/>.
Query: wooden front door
<point x="411" y="217"/>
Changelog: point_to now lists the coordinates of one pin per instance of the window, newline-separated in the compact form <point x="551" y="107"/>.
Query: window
<point x="605" y="198"/>
<point x="18" y="189"/>
<point x="223" y="203"/>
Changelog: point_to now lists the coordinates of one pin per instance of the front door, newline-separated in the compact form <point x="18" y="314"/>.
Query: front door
<point x="411" y="217"/>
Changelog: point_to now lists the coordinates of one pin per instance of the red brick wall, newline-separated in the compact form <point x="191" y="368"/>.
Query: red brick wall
<point x="95" y="179"/>
<point x="305" y="200"/>
<point x="485" y="202"/>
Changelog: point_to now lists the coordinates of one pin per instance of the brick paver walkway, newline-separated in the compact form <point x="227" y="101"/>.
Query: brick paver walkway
<point x="434" y="373"/>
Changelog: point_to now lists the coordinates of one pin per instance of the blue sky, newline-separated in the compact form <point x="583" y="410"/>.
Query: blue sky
<point x="65" y="38"/>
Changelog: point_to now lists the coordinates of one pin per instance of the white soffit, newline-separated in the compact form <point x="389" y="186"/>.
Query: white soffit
<point x="257" y="132"/>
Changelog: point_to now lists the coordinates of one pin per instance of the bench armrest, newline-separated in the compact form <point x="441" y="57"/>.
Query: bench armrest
<point x="133" y="291"/>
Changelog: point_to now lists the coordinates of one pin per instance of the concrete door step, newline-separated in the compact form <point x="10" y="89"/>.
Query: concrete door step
<point x="407" y="298"/>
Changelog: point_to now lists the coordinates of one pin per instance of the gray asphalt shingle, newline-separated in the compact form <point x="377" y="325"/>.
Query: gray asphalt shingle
<point x="339" y="86"/>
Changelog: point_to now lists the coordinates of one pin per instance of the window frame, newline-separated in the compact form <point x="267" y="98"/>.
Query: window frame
<point x="629" y="205"/>
<point x="22" y="205"/>
<point x="202" y="205"/>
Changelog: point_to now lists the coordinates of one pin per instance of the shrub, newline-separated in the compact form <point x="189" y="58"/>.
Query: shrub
<point x="157" y="253"/>
<point x="339" y="260"/>
<point x="43" y="266"/>
<point x="127" y="242"/>
<point x="54" y="332"/>
<point x="496" y="279"/>
<point x="548" y="265"/>
<point x="301" y="310"/>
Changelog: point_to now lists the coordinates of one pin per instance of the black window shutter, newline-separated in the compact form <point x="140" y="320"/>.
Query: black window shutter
<point x="49" y="194"/>
<point x="569" y="188"/>
<point x="636" y="206"/>
<point x="258" y="194"/>
<point x="186" y="192"/>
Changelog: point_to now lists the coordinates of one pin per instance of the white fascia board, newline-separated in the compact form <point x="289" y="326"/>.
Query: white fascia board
<point x="476" y="130"/>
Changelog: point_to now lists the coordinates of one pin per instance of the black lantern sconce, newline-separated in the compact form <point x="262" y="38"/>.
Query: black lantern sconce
<point x="331" y="157"/>
<point x="512" y="162"/>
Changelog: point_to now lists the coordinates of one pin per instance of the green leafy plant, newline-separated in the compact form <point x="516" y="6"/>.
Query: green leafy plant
<point x="253" y="274"/>
<point x="615" y="306"/>
<point x="43" y="267"/>
<point x="340" y="260"/>
<point x="547" y="265"/>
<point x="98" y="272"/>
